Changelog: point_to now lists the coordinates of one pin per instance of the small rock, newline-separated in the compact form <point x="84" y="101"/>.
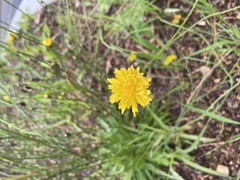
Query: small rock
<point x="202" y="23"/>
<point x="217" y="80"/>
<point x="204" y="70"/>
<point x="222" y="169"/>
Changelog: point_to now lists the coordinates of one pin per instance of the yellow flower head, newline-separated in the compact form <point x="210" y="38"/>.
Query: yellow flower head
<point x="45" y="96"/>
<point x="53" y="63"/>
<point x="6" y="98"/>
<point x="47" y="42"/>
<point x="11" y="38"/>
<point x="176" y="18"/>
<point x="132" y="56"/>
<point x="129" y="88"/>
<point x="169" y="59"/>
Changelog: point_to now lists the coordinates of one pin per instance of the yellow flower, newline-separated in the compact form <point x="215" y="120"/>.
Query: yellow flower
<point x="169" y="59"/>
<point x="60" y="96"/>
<point x="47" y="42"/>
<point x="129" y="88"/>
<point x="176" y="18"/>
<point x="6" y="98"/>
<point x="53" y="63"/>
<point x="11" y="38"/>
<point x="68" y="117"/>
<point x="132" y="56"/>
<point x="45" y="96"/>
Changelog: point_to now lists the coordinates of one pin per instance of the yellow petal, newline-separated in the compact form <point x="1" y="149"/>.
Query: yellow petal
<point x="47" y="42"/>
<point x="169" y="59"/>
<point x="132" y="56"/>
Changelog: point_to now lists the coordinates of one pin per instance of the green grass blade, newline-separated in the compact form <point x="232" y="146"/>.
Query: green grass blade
<point x="196" y="142"/>
<point x="202" y="168"/>
<point x="213" y="115"/>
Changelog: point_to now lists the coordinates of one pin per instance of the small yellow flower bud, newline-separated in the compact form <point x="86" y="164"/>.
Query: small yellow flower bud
<point x="52" y="63"/>
<point x="68" y="117"/>
<point x="176" y="18"/>
<point x="45" y="96"/>
<point x="169" y="59"/>
<point x="132" y="56"/>
<point x="6" y="98"/>
<point x="47" y="42"/>
<point x="11" y="38"/>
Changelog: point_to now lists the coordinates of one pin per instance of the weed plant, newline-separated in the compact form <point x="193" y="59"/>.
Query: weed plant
<point x="56" y="118"/>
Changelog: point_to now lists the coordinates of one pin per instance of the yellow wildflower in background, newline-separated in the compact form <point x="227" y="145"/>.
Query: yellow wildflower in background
<point x="169" y="59"/>
<point x="45" y="96"/>
<point x="176" y="18"/>
<point x="11" y="38"/>
<point x="6" y="98"/>
<point x="132" y="56"/>
<point x="129" y="88"/>
<point x="53" y="63"/>
<point x="61" y="95"/>
<point x="47" y="42"/>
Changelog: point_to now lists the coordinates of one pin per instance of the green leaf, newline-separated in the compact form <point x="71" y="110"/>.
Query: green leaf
<point x="158" y="119"/>
<point x="202" y="168"/>
<point x="103" y="124"/>
<point x="237" y="51"/>
<point x="46" y="30"/>
<point x="144" y="42"/>
<point x="196" y="142"/>
<point x="213" y="115"/>
<point x="171" y="10"/>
